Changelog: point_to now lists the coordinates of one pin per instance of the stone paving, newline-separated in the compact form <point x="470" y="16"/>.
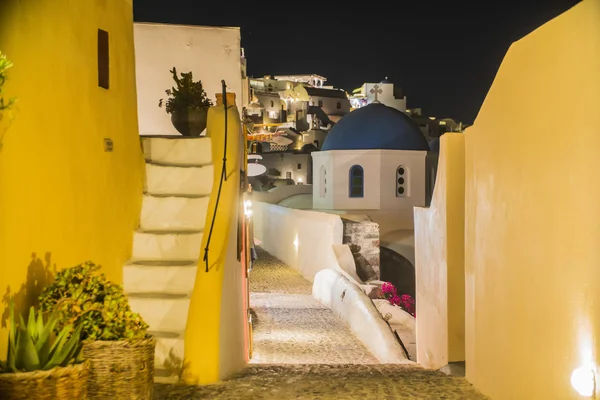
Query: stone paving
<point x="302" y="351"/>
<point x="290" y="326"/>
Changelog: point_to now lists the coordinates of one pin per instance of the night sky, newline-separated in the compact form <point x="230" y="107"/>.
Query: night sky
<point x="444" y="57"/>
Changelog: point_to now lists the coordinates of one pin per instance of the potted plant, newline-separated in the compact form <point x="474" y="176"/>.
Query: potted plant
<point x="115" y="339"/>
<point x="41" y="365"/>
<point x="187" y="103"/>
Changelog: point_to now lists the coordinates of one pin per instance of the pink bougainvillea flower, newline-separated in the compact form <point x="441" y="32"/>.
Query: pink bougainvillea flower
<point x="408" y="304"/>
<point x="388" y="288"/>
<point x="394" y="300"/>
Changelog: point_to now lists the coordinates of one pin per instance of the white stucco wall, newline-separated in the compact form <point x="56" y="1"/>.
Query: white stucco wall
<point x="439" y="262"/>
<point x="414" y="164"/>
<point x="279" y="193"/>
<point x="322" y="180"/>
<point x="380" y="168"/>
<point x="302" y="239"/>
<point x="351" y="305"/>
<point x="211" y="53"/>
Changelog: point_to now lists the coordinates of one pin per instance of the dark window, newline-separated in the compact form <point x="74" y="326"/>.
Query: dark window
<point x="299" y="166"/>
<point x="339" y="105"/>
<point x="320" y="103"/>
<point x="272" y="103"/>
<point x="103" y="59"/>
<point x="255" y="148"/>
<point x="357" y="177"/>
<point x="288" y="175"/>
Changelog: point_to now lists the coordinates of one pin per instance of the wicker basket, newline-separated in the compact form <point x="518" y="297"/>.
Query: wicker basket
<point x="121" y="369"/>
<point x="63" y="383"/>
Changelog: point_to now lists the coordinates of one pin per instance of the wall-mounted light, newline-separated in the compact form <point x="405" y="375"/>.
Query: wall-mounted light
<point x="583" y="380"/>
<point x="296" y="242"/>
<point x="248" y="208"/>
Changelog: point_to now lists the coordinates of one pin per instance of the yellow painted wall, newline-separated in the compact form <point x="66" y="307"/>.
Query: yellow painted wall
<point x="214" y="336"/>
<point x="533" y="214"/>
<point x="63" y="200"/>
<point x="439" y="261"/>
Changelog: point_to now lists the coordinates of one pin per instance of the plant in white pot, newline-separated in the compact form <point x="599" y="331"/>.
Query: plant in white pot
<point x="187" y="103"/>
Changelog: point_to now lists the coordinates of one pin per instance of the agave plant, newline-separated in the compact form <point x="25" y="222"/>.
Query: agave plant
<point x="33" y="347"/>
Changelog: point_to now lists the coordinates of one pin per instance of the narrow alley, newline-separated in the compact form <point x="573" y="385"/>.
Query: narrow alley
<point x="290" y="326"/>
<point x="303" y="351"/>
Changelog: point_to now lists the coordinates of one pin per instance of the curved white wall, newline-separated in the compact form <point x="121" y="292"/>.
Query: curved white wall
<point x="302" y="239"/>
<point x="277" y="194"/>
<point x="353" y="306"/>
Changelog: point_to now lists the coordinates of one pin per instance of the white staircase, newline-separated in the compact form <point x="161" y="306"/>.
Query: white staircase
<point x="159" y="279"/>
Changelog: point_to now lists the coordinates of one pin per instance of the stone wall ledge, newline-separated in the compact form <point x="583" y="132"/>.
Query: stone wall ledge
<point x="356" y="309"/>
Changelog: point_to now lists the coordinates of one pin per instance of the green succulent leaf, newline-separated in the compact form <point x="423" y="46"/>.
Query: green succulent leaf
<point x="43" y="344"/>
<point x="40" y="323"/>
<point x="11" y="358"/>
<point x="60" y="341"/>
<point x="12" y="339"/>
<point x="27" y="359"/>
<point x="32" y="325"/>
<point x="66" y="350"/>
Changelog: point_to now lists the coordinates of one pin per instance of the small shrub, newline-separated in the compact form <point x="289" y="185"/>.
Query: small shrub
<point x="83" y="295"/>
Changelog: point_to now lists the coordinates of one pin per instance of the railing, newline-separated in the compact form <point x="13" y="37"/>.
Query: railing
<point x="222" y="179"/>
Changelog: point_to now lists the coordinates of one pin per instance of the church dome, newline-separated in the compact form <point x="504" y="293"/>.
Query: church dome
<point x="375" y="126"/>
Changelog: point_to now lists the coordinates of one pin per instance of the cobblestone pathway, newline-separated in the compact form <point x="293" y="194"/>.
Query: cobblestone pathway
<point x="290" y="326"/>
<point x="317" y="356"/>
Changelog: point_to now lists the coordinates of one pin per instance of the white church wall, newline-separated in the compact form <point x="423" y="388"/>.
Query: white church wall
<point x="342" y="161"/>
<point x="322" y="180"/>
<point x="160" y="47"/>
<point x="413" y="163"/>
<point x="302" y="239"/>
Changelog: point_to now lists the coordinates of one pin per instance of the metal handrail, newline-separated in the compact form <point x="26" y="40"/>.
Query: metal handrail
<point x="221" y="180"/>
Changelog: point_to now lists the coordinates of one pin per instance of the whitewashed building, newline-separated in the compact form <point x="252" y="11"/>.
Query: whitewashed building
<point x="211" y="53"/>
<point x="373" y="159"/>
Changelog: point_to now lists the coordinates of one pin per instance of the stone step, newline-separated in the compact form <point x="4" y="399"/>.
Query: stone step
<point x="177" y="151"/>
<point x="169" y="350"/>
<point x="164" y="180"/>
<point x="167" y="245"/>
<point x="159" y="276"/>
<point x="163" y="312"/>
<point x="173" y="213"/>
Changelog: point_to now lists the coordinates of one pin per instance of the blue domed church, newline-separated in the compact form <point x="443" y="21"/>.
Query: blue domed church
<point x="375" y="158"/>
